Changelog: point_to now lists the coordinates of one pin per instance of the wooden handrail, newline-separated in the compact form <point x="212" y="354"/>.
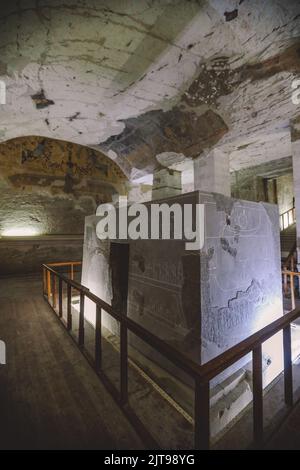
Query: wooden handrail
<point x="290" y="215"/>
<point x="217" y="365"/>
<point x="202" y="374"/>
<point x="291" y="274"/>
<point x="66" y="263"/>
<point x="290" y="255"/>
<point x="289" y="210"/>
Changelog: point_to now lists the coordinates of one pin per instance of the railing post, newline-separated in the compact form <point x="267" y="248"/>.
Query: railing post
<point x="257" y="396"/>
<point x="69" y="312"/>
<point x="81" y="320"/>
<point x="72" y="272"/>
<point x="60" y="298"/>
<point x="44" y="280"/>
<point x="202" y="424"/>
<point x="285" y="281"/>
<point x="98" y="338"/>
<point x="288" y="368"/>
<point x="48" y="285"/>
<point x="124" y="362"/>
<point x="292" y="292"/>
<point x="120" y="262"/>
<point x="54" y="292"/>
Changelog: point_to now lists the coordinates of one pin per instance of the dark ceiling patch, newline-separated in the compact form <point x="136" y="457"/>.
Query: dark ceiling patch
<point x="183" y="130"/>
<point x="172" y="131"/>
<point x="213" y="81"/>
<point x="295" y="132"/>
<point x="31" y="155"/>
<point x="41" y="101"/>
<point x="217" y="79"/>
<point x="75" y="116"/>
<point x="231" y="15"/>
<point x="286" y="61"/>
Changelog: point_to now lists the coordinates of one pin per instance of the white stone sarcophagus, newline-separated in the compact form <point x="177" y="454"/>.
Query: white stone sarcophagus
<point x="202" y="302"/>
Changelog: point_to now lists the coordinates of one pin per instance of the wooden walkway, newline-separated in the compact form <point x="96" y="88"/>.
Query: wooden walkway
<point x="50" y="398"/>
<point x="287" y="437"/>
<point x="49" y="395"/>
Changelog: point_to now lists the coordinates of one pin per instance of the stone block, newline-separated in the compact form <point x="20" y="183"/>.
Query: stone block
<point x="201" y="302"/>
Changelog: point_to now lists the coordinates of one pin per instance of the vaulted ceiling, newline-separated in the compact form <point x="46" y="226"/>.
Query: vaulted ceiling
<point x="152" y="82"/>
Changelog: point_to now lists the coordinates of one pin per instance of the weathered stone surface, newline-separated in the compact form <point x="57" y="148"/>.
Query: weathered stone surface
<point x="252" y="183"/>
<point x="41" y="101"/>
<point x="214" y="80"/>
<point x="296" y="181"/>
<point x="200" y="302"/>
<point x="295" y="129"/>
<point x="21" y="256"/>
<point x="173" y="131"/>
<point x="166" y="183"/>
<point x="47" y="187"/>
<point x="211" y="172"/>
<point x="88" y="71"/>
<point x="50" y="185"/>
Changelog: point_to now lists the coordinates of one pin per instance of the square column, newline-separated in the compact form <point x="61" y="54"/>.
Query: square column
<point x="295" y="145"/>
<point x="166" y="183"/>
<point x="211" y="172"/>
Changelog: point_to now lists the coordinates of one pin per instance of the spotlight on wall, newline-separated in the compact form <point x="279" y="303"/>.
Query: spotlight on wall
<point x="20" y="232"/>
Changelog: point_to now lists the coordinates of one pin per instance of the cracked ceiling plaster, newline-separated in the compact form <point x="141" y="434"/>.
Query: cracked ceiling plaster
<point x="137" y="79"/>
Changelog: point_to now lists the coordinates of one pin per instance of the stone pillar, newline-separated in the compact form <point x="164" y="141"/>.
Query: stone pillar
<point x="140" y="189"/>
<point x="211" y="172"/>
<point x="166" y="183"/>
<point x="139" y="192"/>
<point x="295" y="144"/>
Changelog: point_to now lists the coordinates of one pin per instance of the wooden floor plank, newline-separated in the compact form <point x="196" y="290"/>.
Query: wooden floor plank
<point x="49" y="395"/>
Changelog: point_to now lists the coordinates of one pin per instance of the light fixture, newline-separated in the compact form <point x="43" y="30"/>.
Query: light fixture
<point x="20" y="232"/>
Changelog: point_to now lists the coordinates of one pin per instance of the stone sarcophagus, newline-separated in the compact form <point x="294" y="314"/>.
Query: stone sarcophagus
<point x="200" y="301"/>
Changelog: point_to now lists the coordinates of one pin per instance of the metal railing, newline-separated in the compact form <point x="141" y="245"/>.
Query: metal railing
<point x="201" y="374"/>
